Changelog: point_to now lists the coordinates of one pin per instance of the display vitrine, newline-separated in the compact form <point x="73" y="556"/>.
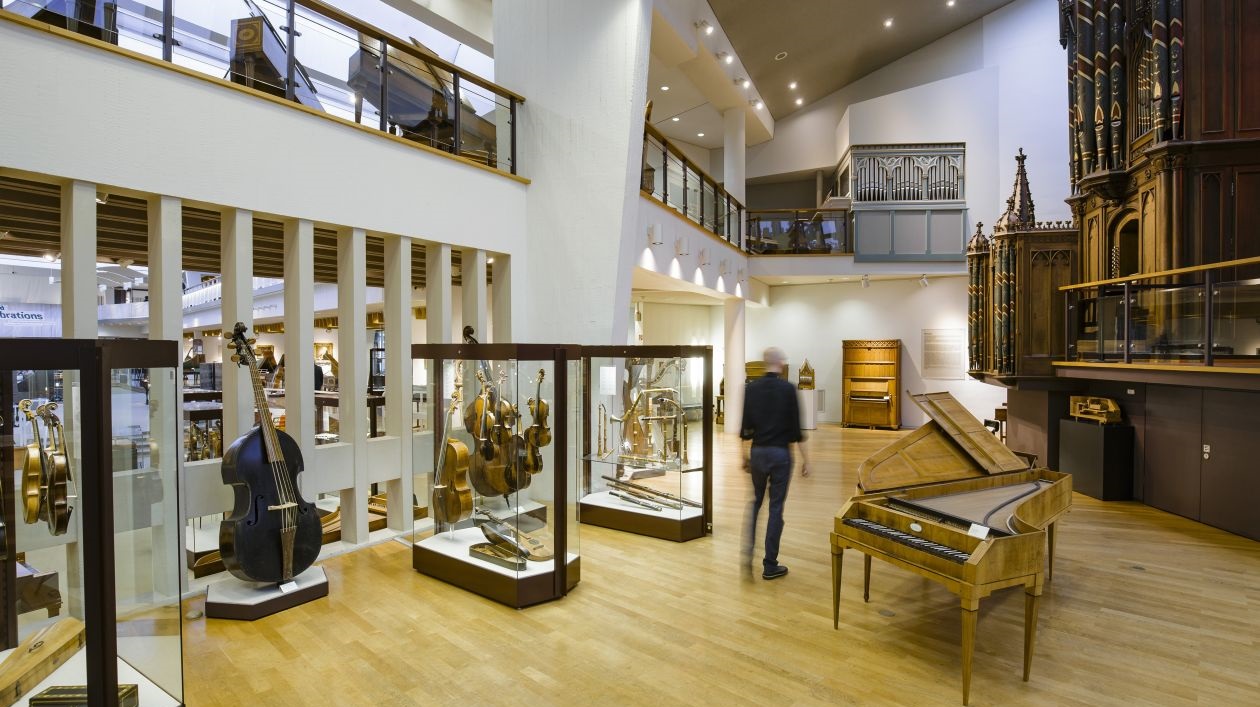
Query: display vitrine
<point x="647" y="438"/>
<point x="90" y="589"/>
<point x="501" y="473"/>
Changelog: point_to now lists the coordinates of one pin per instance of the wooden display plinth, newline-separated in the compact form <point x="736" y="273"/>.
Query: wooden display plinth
<point x="248" y="601"/>
<point x="445" y="557"/>
<point x="653" y="526"/>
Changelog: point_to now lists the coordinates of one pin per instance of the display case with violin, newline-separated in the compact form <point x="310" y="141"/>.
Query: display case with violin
<point x="647" y="439"/>
<point x="501" y="476"/>
<point x="90" y="568"/>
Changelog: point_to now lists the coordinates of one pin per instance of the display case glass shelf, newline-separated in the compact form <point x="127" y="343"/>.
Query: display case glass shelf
<point x="502" y="486"/>
<point x="90" y="589"/>
<point x="647" y="416"/>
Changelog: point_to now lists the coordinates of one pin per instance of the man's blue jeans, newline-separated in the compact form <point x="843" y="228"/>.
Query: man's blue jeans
<point x="769" y="467"/>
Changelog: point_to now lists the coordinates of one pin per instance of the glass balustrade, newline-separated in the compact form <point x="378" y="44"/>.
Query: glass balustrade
<point x="671" y="178"/>
<point x="799" y="232"/>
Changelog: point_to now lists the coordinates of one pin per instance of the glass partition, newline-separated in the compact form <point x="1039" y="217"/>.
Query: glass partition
<point x="799" y="232"/>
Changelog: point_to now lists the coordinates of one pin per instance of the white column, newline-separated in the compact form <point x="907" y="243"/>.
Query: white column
<point x="501" y="297"/>
<point x="236" y="242"/>
<point x="473" y="290"/>
<point x="78" y="260"/>
<point x="735" y="359"/>
<point x="299" y="335"/>
<point x="352" y="378"/>
<point x="398" y="376"/>
<point x="733" y="144"/>
<point x="166" y="292"/>
<point x="437" y="293"/>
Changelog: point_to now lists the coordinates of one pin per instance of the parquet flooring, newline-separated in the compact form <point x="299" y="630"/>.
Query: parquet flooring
<point x="1145" y="609"/>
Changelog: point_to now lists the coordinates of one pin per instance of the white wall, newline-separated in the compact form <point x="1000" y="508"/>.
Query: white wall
<point x="679" y="325"/>
<point x="75" y="111"/>
<point x="1008" y="63"/>
<point x="664" y="259"/>
<point x="811" y="321"/>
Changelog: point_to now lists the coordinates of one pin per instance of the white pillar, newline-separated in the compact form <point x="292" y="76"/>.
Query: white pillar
<point x="78" y="260"/>
<point x="735" y="359"/>
<point x="398" y="376"/>
<point x="473" y="291"/>
<point x="166" y="319"/>
<point x="437" y="293"/>
<point x="501" y="296"/>
<point x="352" y="378"/>
<point x="236" y="243"/>
<point x="733" y="148"/>
<point x="299" y="336"/>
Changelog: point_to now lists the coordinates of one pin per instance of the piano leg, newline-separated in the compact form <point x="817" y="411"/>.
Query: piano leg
<point x="1050" y="552"/>
<point x="1030" y="630"/>
<point x="866" y="578"/>
<point x="968" y="648"/>
<point x="358" y="106"/>
<point x="837" y="562"/>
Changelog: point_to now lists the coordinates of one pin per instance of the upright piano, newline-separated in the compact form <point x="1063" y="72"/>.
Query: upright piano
<point x="951" y="503"/>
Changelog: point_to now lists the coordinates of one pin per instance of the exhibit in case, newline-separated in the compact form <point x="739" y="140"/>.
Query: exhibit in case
<point x="647" y="438"/>
<point x="90" y="589"/>
<point x="499" y="465"/>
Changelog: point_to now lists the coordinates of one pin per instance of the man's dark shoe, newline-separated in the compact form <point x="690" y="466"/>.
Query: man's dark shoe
<point x="773" y="572"/>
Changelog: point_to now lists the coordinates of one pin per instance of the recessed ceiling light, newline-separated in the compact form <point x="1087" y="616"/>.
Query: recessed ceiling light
<point x="800" y="101"/>
<point x="664" y="88"/>
<point x="674" y="119"/>
<point x="704" y="26"/>
<point x="758" y="105"/>
<point x="950" y="3"/>
<point x="780" y="56"/>
<point x="792" y="86"/>
<point x="726" y="57"/>
<point x="746" y="83"/>
<point x="699" y="134"/>
<point x="888" y="22"/>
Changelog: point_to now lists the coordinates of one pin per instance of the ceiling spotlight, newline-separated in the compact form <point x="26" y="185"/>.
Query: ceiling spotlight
<point x="792" y="86"/>
<point x="780" y="56"/>
<point x="4" y="235"/>
<point x="800" y="101"/>
<point x="664" y="88"/>
<point x="888" y="22"/>
<point x="745" y="83"/>
<point x="866" y="281"/>
<point x="923" y="281"/>
<point x="102" y="198"/>
<point x="674" y="119"/>
<point x="950" y="3"/>
<point x="699" y="134"/>
<point x="48" y="257"/>
<point x="726" y="57"/>
<point x="758" y="105"/>
<point x="704" y="26"/>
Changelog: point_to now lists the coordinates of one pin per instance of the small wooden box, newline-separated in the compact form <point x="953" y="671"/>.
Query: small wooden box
<point x="77" y="696"/>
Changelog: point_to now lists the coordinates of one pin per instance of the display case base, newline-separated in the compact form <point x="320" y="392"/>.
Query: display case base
<point x="669" y="527"/>
<point x="446" y="557"/>
<point x="248" y="601"/>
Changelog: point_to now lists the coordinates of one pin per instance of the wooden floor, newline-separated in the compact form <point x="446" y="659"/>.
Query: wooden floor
<point x="1145" y="608"/>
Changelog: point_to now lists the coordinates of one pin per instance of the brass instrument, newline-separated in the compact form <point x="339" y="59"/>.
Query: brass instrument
<point x="637" y="442"/>
<point x="648" y="489"/>
<point x="1104" y="411"/>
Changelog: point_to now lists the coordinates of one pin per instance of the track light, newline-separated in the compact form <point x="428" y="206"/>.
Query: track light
<point x="743" y="83"/>
<point x="726" y="57"/>
<point x="923" y="281"/>
<point x="758" y="105"/>
<point x="866" y="281"/>
<point x="704" y="26"/>
<point x="102" y="198"/>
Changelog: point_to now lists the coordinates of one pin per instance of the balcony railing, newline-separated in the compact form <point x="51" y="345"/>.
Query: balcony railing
<point x="799" y="232"/>
<point x="1194" y="317"/>
<point x="311" y="53"/>
<point x="674" y="180"/>
<point x="902" y="173"/>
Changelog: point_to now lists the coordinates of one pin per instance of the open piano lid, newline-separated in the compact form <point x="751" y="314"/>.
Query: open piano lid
<point x="952" y="446"/>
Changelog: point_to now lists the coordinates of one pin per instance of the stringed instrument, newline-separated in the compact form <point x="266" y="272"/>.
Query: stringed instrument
<point x="502" y="533"/>
<point x="56" y="485"/>
<point x="272" y="533"/>
<point x="538" y="434"/>
<point x="32" y="469"/>
<point x="452" y="497"/>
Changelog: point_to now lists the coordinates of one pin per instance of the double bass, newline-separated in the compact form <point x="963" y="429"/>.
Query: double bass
<point x="452" y="498"/>
<point x="272" y="533"/>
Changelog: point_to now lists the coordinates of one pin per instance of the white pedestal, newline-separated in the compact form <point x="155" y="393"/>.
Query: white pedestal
<point x="247" y="601"/>
<point x="807" y="400"/>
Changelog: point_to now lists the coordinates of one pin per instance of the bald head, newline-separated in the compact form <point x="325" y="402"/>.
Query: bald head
<point x="774" y="358"/>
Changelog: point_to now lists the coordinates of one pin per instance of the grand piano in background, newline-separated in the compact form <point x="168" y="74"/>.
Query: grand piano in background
<point x="951" y="503"/>
<point x="419" y="99"/>
<point x="259" y="59"/>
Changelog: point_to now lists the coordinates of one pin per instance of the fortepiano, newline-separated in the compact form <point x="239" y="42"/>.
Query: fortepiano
<point x="259" y="59"/>
<point x="951" y="503"/>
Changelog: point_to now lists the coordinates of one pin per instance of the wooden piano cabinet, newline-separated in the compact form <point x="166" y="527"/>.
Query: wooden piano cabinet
<point x="872" y="379"/>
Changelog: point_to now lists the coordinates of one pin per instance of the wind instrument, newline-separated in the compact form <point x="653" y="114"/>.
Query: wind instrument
<point x="654" y="492"/>
<point x="602" y="450"/>
<point x="631" y="499"/>
<point x="674" y="505"/>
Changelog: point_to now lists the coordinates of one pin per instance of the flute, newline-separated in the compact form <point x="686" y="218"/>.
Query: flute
<point x="631" y="499"/>
<point x="654" y="492"/>
<point x="645" y="497"/>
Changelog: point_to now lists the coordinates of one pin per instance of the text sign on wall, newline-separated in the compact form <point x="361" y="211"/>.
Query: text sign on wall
<point x="28" y="320"/>
<point x="943" y="353"/>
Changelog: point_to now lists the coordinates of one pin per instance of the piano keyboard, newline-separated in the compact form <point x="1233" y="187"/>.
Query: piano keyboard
<point x="909" y="540"/>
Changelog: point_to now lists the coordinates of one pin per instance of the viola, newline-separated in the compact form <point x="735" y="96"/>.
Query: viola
<point x="452" y="498"/>
<point x="538" y="434"/>
<point x="272" y="533"/>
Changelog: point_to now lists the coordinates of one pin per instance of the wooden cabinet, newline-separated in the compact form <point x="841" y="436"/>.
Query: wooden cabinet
<point x="872" y="377"/>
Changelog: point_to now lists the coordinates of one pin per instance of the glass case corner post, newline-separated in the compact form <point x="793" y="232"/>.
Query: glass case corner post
<point x="512" y="110"/>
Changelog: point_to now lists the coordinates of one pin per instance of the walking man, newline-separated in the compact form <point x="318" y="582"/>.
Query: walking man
<point x="771" y="422"/>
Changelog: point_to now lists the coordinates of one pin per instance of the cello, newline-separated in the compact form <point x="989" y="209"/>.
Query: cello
<point x="272" y="533"/>
<point x="452" y="498"/>
<point x="55" y="505"/>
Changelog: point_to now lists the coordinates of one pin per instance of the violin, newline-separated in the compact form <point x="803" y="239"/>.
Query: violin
<point x="538" y="434"/>
<point x="452" y="498"/>
<point x="55" y="487"/>
<point x="272" y="533"/>
<point x="33" y="469"/>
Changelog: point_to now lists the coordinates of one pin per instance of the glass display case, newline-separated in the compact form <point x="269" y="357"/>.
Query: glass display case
<point x="501" y="478"/>
<point x="90" y="592"/>
<point x="647" y="439"/>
